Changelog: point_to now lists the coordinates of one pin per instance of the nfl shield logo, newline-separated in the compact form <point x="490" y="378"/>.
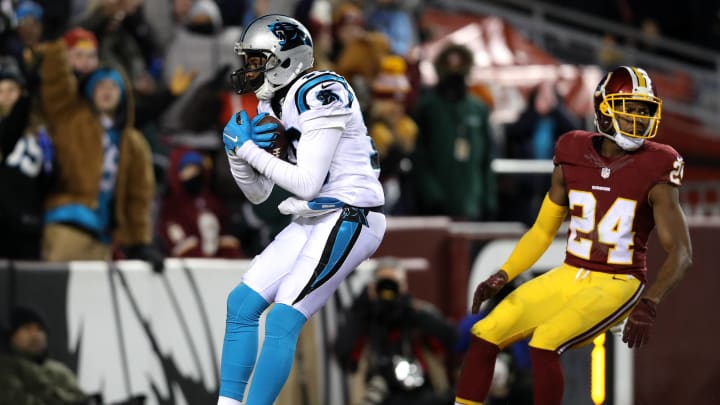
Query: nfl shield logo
<point x="605" y="172"/>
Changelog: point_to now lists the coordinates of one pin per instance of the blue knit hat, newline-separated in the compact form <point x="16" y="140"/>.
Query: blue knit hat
<point x="102" y="74"/>
<point x="29" y="9"/>
<point x="189" y="158"/>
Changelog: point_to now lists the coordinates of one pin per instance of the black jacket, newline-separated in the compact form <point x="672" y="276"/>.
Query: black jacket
<point x="24" y="173"/>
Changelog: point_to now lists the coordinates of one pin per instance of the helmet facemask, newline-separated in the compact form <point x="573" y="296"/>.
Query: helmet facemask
<point x="626" y="108"/>
<point x="251" y="75"/>
<point x="641" y="117"/>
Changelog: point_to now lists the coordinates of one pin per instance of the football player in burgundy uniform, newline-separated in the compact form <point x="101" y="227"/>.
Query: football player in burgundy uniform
<point x="617" y="186"/>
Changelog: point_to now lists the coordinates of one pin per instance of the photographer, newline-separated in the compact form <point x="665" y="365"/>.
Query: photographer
<point x="395" y="344"/>
<point x="30" y="376"/>
<point x="27" y="373"/>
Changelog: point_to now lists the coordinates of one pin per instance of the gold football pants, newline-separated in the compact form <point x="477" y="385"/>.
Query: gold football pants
<point x="563" y="308"/>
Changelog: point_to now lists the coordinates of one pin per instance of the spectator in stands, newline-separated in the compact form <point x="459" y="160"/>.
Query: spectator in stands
<point x="125" y="40"/>
<point x="25" y="167"/>
<point x="542" y="122"/>
<point x="451" y="163"/>
<point x="356" y="53"/>
<point x="195" y="116"/>
<point x="533" y="136"/>
<point x="82" y="48"/>
<point x="193" y="220"/>
<point x="83" y="54"/>
<point x="196" y="48"/>
<point x="106" y="186"/>
<point x="393" y="131"/>
<point x="397" y="21"/>
<point x="387" y="328"/>
<point x="27" y="375"/>
<point x="163" y="16"/>
<point x="29" y="16"/>
<point x="195" y="42"/>
<point x="22" y="42"/>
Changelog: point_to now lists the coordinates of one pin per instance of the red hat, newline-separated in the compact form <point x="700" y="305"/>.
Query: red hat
<point x="79" y="37"/>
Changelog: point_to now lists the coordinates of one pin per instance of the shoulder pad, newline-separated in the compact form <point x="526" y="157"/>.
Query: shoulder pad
<point x="323" y="90"/>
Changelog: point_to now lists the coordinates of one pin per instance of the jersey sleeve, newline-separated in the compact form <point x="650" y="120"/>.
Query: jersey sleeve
<point x="324" y="101"/>
<point x="256" y="187"/>
<point x="669" y="166"/>
<point x="566" y="148"/>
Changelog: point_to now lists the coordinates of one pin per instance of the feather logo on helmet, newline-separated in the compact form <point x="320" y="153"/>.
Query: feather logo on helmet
<point x="290" y="35"/>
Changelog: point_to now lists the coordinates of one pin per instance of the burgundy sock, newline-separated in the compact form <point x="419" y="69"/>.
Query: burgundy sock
<point x="477" y="370"/>
<point x="547" y="377"/>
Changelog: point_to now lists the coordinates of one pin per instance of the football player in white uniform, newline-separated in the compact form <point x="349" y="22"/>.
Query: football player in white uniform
<point x="337" y="208"/>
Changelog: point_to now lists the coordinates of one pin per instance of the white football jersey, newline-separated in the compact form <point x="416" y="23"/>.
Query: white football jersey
<point x="324" y="100"/>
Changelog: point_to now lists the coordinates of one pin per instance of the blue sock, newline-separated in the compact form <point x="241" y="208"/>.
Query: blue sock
<point x="282" y="329"/>
<point x="244" y="307"/>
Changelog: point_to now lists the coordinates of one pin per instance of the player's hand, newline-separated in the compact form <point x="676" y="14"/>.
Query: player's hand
<point x="263" y="135"/>
<point x="488" y="288"/>
<point x="241" y="129"/>
<point x="639" y="323"/>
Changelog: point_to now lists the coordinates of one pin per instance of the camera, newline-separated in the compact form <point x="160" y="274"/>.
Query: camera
<point x="391" y="305"/>
<point x="408" y="372"/>
<point x="387" y="289"/>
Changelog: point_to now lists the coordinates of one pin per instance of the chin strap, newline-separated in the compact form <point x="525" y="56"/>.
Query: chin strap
<point x="265" y="91"/>
<point x="625" y="142"/>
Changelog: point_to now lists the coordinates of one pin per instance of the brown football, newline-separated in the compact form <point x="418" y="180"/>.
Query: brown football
<point x="279" y="147"/>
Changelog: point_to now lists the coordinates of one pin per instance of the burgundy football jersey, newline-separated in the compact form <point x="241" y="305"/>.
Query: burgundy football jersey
<point x="610" y="217"/>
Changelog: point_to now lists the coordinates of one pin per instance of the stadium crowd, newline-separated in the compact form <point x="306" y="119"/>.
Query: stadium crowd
<point x="111" y="112"/>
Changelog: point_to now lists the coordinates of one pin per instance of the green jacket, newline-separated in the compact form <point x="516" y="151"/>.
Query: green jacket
<point x="23" y="382"/>
<point x="451" y="163"/>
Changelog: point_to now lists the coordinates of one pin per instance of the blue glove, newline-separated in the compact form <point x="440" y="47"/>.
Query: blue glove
<point x="241" y="129"/>
<point x="261" y="136"/>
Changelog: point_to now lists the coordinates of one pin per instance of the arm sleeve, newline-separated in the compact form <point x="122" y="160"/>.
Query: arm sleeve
<point x="256" y="187"/>
<point x="537" y="239"/>
<point x="58" y="89"/>
<point x="669" y="167"/>
<point x="315" y="152"/>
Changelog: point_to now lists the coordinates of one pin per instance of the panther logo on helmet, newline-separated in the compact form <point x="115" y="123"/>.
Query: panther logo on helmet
<point x="290" y="35"/>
